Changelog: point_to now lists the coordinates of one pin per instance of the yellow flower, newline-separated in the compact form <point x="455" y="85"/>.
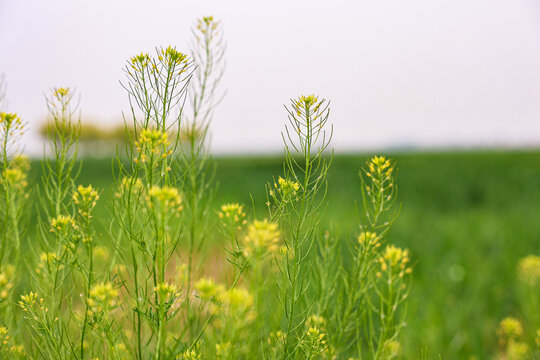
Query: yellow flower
<point x="61" y="92"/>
<point x="380" y="169"/>
<point x="152" y="142"/>
<point x="529" y="270"/>
<point x="85" y="198"/>
<point x="30" y="303"/>
<point x="235" y="212"/>
<point x="223" y="350"/>
<point x="262" y="236"/>
<point x="232" y="217"/>
<point x="167" y="197"/>
<point x="517" y="350"/>
<point x="307" y="100"/>
<point x="368" y="239"/>
<point x="139" y="62"/>
<point x="315" y="341"/>
<point x="287" y="188"/>
<point x="207" y="289"/>
<point x="62" y="224"/>
<point x="509" y="328"/>
<point x="129" y="185"/>
<point x="9" y="120"/>
<point x="102" y="299"/>
<point x="15" y="177"/>
<point x="394" y="255"/>
<point x="172" y="58"/>
<point x="190" y="355"/>
<point x="101" y="254"/>
<point x="394" y="259"/>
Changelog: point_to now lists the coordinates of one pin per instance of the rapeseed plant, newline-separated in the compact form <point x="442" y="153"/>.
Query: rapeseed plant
<point x="292" y="290"/>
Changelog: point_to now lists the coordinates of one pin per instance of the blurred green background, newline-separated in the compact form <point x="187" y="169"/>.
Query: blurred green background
<point x="467" y="217"/>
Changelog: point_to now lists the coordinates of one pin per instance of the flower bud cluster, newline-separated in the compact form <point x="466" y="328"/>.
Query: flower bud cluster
<point x="394" y="260"/>
<point x="152" y="143"/>
<point x="85" y="198"/>
<point x="232" y="216"/>
<point x="31" y="304"/>
<point x="287" y="189"/>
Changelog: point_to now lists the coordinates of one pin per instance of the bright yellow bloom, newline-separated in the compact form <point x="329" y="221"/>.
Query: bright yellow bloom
<point x="30" y="303"/>
<point x="307" y="100"/>
<point x="393" y="260"/>
<point x="286" y="188"/>
<point x="60" y="93"/>
<point x="9" y="120"/>
<point x="171" y="57"/>
<point x="85" y="198"/>
<point x="394" y="255"/>
<point x="152" y="142"/>
<point x="380" y="168"/>
<point x="63" y="223"/>
<point x="139" y="62"/>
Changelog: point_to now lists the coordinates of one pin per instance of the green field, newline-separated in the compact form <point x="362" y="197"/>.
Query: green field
<point x="466" y="217"/>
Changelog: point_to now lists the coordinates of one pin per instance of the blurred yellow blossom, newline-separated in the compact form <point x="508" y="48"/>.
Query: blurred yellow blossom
<point x="369" y="239"/>
<point x="6" y="283"/>
<point x="509" y="328"/>
<point x="262" y="236"/>
<point x="207" y="289"/>
<point x="166" y="197"/>
<point x="529" y="270"/>
<point x="103" y="298"/>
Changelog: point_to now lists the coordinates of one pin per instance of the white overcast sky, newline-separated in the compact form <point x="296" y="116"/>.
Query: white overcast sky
<point x="398" y="72"/>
